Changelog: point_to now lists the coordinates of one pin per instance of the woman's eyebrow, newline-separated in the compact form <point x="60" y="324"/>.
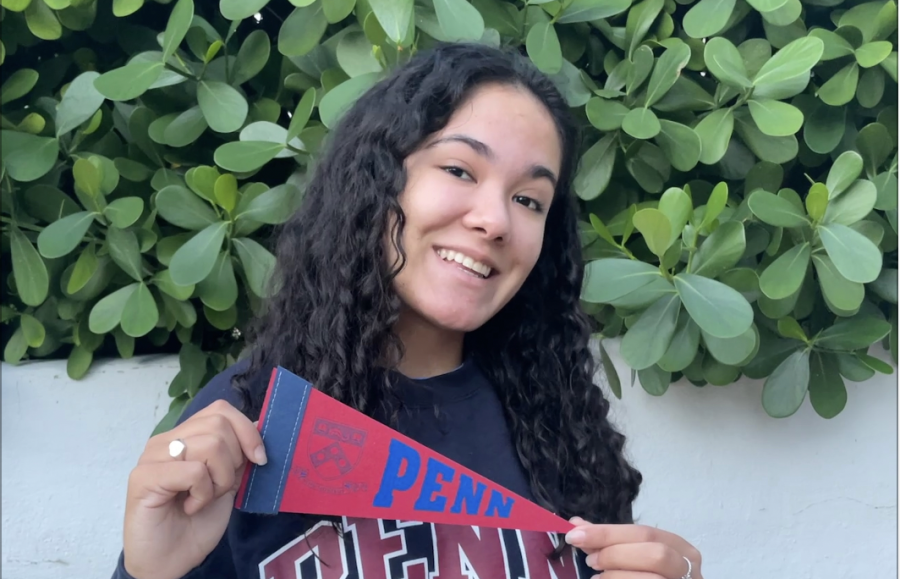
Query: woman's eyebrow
<point x="536" y="172"/>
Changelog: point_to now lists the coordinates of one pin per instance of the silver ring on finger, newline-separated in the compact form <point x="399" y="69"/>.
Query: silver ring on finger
<point x="177" y="449"/>
<point x="690" y="568"/>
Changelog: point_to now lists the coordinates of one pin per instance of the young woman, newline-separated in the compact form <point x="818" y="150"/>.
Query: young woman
<point x="431" y="280"/>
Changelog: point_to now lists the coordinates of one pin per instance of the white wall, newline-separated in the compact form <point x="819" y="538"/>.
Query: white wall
<point x="801" y="497"/>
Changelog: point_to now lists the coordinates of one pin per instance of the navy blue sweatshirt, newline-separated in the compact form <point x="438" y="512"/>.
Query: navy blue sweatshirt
<point x="457" y="414"/>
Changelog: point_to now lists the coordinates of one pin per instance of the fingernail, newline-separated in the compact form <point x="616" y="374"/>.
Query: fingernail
<point x="259" y="456"/>
<point x="575" y="537"/>
<point x="591" y="560"/>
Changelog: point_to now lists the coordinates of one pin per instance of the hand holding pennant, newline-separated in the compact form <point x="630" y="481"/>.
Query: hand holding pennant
<point x="326" y="458"/>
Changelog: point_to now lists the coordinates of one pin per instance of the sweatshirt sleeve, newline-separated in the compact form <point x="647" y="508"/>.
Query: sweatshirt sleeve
<point x="219" y="564"/>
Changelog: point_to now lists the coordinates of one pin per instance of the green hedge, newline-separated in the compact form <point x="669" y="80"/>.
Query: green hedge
<point x="738" y="179"/>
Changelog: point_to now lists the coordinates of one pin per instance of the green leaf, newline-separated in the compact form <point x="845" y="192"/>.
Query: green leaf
<point x="774" y="210"/>
<point x="274" y="206"/>
<point x="125" y="251"/>
<point x="852" y="368"/>
<point x="459" y="20"/>
<point x="785" y="389"/>
<point x="675" y="204"/>
<point x="854" y="256"/>
<point x="29" y="270"/>
<point x="240" y="9"/>
<point x="775" y="118"/>
<point x="638" y="69"/>
<point x="794" y="60"/>
<point x="244" y="156"/>
<point x="194" y="260"/>
<point x="666" y="72"/>
<point x="226" y="192"/>
<point x="590" y="10"/>
<point x="835" y="44"/>
<point x="766" y="5"/>
<point x="80" y="359"/>
<point x="873" y="53"/>
<point x="875" y="145"/>
<point x="27" y="157"/>
<point x="219" y="290"/>
<point x="339" y="99"/>
<point x="224" y="108"/>
<point x="601" y="230"/>
<point x="140" y="313"/>
<point x="654" y="380"/>
<point x="128" y="82"/>
<point x="640" y="17"/>
<point x="839" y="291"/>
<point x="301" y="114"/>
<point x="841" y="87"/>
<point x="185" y="128"/>
<point x="252" y="56"/>
<point x="775" y="150"/>
<point x="79" y="104"/>
<point x="649" y="337"/>
<point x="338" y="10"/>
<point x="725" y="62"/>
<point x="107" y="313"/>
<point x="19" y="84"/>
<point x="84" y="269"/>
<point x="122" y="8"/>
<point x="856" y="333"/>
<point x="817" y="201"/>
<point x="732" y="351"/>
<point x="789" y="328"/>
<point x="16" y="347"/>
<point x="721" y="250"/>
<point x="124" y="343"/>
<point x="32" y="330"/>
<point x="125" y="211"/>
<point x="394" y="17"/>
<point x="641" y="123"/>
<point x="718" y="309"/>
<point x="42" y="21"/>
<point x="853" y="204"/>
<point x="707" y="17"/>
<point x="258" y="264"/>
<point x="595" y="168"/>
<point x="175" y="411"/>
<point x="784" y="275"/>
<point x="682" y="347"/>
<point x="179" y="22"/>
<point x="62" y="236"/>
<point x="543" y="48"/>
<point x="876" y="364"/>
<point x="827" y="392"/>
<point x="714" y="131"/>
<point x="605" y="114"/>
<point x="655" y="228"/>
<point x="714" y="206"/>
<point x="609" y="371"/>
<point x="680" y="143"/>
<point x="163" y="280"/>
<point x="824" y="128"/>
<point x="177" y="205"/>
<point x="885" y="286"/>
<point x="846" y="169"/>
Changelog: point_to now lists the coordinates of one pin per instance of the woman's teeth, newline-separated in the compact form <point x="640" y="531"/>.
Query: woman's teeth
<point x="466" y="261"/>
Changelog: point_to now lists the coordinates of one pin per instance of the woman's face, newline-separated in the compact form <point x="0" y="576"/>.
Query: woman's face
<point x="476" y="203"/>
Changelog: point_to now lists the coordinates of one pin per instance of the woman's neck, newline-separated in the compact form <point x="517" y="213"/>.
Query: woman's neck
<point x="428" y="350"/>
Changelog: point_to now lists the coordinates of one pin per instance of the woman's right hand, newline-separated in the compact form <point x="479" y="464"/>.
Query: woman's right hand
<point x="177" y="509"/>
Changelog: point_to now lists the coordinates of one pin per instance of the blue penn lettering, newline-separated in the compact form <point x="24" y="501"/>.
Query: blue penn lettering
<point x="469" y="493"/>
<point x="404" y="458"/>
<point x="427" y="501"/>
<point x="391" y="480"/>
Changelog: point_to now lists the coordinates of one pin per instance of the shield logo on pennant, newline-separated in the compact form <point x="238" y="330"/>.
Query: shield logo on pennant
<point x="334" y="448"/>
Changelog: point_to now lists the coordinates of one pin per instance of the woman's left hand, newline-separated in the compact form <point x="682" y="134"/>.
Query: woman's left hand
<point x="634" y="551"/>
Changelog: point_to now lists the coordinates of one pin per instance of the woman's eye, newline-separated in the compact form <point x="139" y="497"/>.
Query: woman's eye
<point x="529" y="203"/>
<point x="458" y="172"/>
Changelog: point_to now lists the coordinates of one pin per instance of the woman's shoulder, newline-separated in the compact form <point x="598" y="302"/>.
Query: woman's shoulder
<point x="220" y="387"/>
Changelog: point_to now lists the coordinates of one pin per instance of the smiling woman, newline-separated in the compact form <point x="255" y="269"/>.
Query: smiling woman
<point x="413" y="285"/>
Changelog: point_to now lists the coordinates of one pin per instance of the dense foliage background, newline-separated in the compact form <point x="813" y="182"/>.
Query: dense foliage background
<point x="738" y="177"/>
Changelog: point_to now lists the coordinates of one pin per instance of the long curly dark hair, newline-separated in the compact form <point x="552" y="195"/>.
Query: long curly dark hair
<point x="331" y="320"/>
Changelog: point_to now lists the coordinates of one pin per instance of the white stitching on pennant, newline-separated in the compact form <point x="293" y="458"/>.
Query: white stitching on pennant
<point x="265" y="427"/>
<point x="293" y="440"/>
